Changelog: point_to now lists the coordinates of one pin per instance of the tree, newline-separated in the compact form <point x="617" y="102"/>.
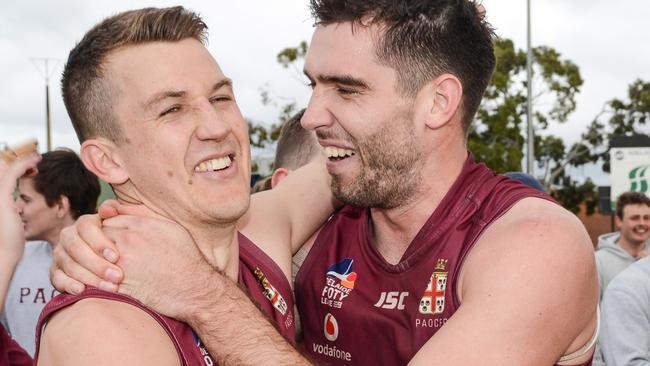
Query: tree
<point x="496" y="136"/>
<point x="262" y="135"/>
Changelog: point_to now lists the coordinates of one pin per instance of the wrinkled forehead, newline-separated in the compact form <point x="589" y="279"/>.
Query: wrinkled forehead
<point x="140" y="71"/>
<point x="347" y="49"/>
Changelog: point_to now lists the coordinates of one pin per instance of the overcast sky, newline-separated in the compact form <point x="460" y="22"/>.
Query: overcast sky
<point x="608" y="40"/>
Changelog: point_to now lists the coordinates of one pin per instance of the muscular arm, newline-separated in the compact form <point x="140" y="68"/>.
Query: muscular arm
<point x="233" y="328"/>
<point x="528" y="293"/>
<point x="280" y="220"/>
<point x="103" y="332"/>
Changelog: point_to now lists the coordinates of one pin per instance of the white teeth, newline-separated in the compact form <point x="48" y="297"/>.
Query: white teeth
<point x="213" y="164"/>
<point x="334" y="152"/>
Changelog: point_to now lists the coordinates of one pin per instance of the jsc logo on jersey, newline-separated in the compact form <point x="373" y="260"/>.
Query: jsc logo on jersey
<point x="339" y="283"/>
<point x="433" y="299"/>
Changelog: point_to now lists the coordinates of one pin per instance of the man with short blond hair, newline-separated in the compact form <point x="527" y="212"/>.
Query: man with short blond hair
<point x="157" y="119"/>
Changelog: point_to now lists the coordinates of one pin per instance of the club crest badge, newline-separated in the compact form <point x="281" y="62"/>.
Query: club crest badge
<point x="271" y="293"/>
<point x="433" y="299"/>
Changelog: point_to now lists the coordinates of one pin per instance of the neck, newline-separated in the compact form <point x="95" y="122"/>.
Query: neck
<point x="53" y="236"/>
<point x="633" y="248"/>
<point x="219" y="245"/>
<point x="394" y="229"/>
<point x="217" y="242"/>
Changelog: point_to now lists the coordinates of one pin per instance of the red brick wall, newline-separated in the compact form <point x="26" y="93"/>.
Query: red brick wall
<point x="596" y="224"/>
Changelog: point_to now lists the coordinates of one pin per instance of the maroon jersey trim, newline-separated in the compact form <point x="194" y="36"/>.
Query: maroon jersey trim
<point x="65" y="300"/>
<point x="254" y="256"/>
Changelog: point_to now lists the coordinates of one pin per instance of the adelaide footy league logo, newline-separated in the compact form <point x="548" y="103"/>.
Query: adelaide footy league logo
<point x="433" y="299"/>
<point x="331" y="328"/>
<point x="339" y="283"/>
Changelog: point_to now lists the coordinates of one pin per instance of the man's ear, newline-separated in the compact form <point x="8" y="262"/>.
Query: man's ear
<point x="618" y="222"/>
<point x="62" y="207"/>
<point x="278" y="175"/>
<point x="100" y="157"/>
<point x="438" y="102"/>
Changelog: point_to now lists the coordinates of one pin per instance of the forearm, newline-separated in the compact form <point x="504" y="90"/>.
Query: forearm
<point x="234" y="330"/>
<point x="7" y="267"/>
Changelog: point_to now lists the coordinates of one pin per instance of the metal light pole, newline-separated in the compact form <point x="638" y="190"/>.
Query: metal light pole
<point x="530" y="141"/>
<point x="46" y="73"/>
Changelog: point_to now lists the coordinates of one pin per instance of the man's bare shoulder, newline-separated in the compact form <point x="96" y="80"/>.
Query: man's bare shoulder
<point x="105" y="332"/>
<point x="530" y="282"/>
<point x="539" y="258"/>
<point x="539" y="233"/>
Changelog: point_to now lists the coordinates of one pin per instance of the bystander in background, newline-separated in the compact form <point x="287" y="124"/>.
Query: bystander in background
<point x="54" y="198"/>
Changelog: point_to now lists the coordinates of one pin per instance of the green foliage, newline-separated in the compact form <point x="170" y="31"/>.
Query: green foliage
<point x="618" y="117"/>
<point x="289" y="55"/>
<point x="497" y="135"/>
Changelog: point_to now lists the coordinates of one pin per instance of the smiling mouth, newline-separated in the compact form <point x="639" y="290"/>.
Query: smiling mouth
<point x="214" y="165"/>
<point x="335" y="153"/>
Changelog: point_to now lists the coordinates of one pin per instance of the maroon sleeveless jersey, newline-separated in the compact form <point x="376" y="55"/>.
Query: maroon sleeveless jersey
<point x="12" y="354"/>
<point x="258" y="274"/>
<point x="357" y="309"/>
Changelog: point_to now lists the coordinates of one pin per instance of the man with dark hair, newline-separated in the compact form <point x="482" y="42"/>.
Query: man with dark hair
<point x="469" y="268"/>
<point x="440" y="264"/>
<point x="157" y="120"/>
<point x="62" y="191"/>
<point x="617" y="250"/>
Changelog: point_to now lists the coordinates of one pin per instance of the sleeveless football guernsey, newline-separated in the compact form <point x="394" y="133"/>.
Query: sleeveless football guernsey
<point x="263" y="280"/>
<point x="357" y="309"/>
<point x="11" y="353"/>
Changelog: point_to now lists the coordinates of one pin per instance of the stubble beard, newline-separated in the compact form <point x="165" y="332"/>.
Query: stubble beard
<point x="390" y="168"/>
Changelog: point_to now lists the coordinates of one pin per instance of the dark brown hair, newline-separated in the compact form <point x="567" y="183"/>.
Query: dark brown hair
<point x="62" y="173"/>
<point x="86" y="92"/>
<point x="630" y="198"/>
<point x="422" y="39"/>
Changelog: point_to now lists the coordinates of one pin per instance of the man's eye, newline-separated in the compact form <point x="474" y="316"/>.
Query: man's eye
<point x="346" y="91"/>
<point x="310" y="84"/>
<point x="173" y="109"/>
<point x="220" y="98"/>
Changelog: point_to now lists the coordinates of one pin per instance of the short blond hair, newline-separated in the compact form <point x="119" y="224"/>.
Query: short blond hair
<point x="87" y="94"/>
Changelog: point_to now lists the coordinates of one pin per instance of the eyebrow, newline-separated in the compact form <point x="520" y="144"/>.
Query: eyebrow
<point x="158" y="97"/>
<point x="347" y="80"/>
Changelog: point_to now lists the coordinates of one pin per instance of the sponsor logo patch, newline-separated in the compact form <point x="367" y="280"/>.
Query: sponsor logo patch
<point x="204" y="352"/>
<point x="340" y="279"/>
<point x="332" y="351"/>
<point x="271" y="293"/>
<point x="331" y="328"/>
<point x="391" y="300"/>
